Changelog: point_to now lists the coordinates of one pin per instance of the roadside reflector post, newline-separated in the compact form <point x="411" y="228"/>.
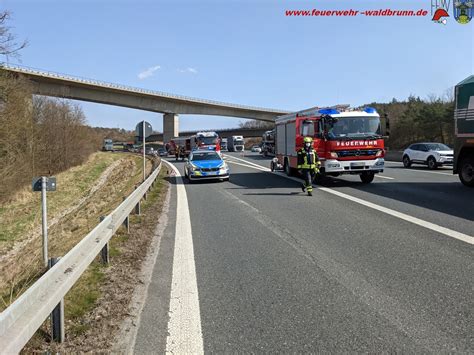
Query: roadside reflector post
<point x="57" y="315"/>
<point x="126" y="222"/>
<point x="104" y="253"/>
<point x="144" y="159"/>
<point x="143" y="130"/>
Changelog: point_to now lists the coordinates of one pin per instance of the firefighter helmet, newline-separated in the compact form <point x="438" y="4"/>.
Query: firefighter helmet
<point x="308" y="140"/>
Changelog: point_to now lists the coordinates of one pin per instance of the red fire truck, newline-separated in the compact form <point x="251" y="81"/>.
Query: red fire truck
<point x="206" y="140"/>
<point x="347" y="141"/>
<point x="180" y="147"/>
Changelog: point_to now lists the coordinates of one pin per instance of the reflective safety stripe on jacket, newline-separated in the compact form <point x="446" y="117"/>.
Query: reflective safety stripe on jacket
<point x="307" y="159"/>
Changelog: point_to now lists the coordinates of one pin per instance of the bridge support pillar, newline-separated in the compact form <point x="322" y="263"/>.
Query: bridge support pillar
<point x="170" y="126"/>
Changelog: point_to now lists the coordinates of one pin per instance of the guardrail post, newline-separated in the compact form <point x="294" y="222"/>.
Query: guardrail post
<point x="126" y="222"/>
<point x="137" y="207"/>
<point x="104" y="253"/>
<point x="57" y="315"/>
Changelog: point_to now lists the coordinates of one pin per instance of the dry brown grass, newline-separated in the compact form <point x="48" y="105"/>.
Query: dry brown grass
<point x="20" y="222"/>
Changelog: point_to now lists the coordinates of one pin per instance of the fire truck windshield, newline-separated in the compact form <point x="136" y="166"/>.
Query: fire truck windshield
<point x="355" y="127"/>
<point x="207" y="140"/>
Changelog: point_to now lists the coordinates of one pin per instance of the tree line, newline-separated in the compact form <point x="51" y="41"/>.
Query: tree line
<point x="42" y="136"/>
<point x="38" y="135"/>
<point x="416" y="120"/>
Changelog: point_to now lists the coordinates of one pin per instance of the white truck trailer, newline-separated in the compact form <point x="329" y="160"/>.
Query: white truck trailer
<point x="235" y="144"/>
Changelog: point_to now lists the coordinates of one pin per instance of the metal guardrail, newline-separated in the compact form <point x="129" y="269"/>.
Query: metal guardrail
<point x="35" y="71"/>
<point x="24" y="317"/>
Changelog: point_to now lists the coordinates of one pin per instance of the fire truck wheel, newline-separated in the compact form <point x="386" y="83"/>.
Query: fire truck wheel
<point x="367" y="177"/>
<point x="466" y="171"/>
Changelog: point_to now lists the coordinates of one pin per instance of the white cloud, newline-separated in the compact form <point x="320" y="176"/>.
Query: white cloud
<point x="148" y="72"/>
<point x="188" y="70"/>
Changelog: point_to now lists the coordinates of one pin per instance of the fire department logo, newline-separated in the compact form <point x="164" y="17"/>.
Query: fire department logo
<point x="439" y="11"/>
<point x="463" y="11"/>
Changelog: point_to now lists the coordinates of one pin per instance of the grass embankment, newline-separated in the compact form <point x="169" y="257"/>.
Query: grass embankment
<point x="23" y="213"/>
<point x="97" y="304"/>
<point x="83" y="296"/>
<point x="84" y="193"/>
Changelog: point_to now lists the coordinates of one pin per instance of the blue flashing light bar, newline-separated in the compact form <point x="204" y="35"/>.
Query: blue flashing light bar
<point x="328" y="111"/>
<point x="370" y="110"/>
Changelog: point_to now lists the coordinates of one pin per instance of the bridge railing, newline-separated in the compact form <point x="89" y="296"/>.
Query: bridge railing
<point x="56" y="75"/>
<point x="24" y="317"/>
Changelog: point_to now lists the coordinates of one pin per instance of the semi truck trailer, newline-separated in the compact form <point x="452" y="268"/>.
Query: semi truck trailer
<point x="463" y="163"/>
<point x="235" y="144"/>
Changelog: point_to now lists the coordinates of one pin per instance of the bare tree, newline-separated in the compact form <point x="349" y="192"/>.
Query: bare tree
<point x="9" y="46"/>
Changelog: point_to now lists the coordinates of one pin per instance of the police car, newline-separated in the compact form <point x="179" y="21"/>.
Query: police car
<point x="205" y="164"/>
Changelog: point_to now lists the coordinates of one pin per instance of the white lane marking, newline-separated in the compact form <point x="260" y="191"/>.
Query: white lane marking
<point x="248" y="162"/>
<point x="430" y="172"/>
<point x="184" y="325"/>
<point x="246" y="165"/>
<point x="394" y="164"/>
<point x="435" y="227"/>
<point x="384" y="177"/>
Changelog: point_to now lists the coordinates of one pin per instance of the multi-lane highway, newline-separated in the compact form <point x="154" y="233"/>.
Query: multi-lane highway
<point x="255" y="265"/>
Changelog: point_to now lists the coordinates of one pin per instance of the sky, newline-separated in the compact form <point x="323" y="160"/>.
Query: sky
<point x="243" y="51"/>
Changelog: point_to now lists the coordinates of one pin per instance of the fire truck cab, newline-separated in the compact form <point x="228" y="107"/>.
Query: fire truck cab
<point x="347" y="141"/>
<point x="206" y="140"/>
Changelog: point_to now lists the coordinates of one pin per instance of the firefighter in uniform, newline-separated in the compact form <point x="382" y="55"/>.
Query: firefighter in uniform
<point x="308" y="164"/>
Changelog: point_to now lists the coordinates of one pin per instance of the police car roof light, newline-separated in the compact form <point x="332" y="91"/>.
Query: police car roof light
<point x="370" y="110"/>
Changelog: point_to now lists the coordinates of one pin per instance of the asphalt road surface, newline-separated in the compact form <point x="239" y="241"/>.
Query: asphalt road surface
<point x="255" y="265"/>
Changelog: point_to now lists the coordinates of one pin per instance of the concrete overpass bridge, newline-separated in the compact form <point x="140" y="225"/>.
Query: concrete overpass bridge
<point x="171" y="106"/>
<point x="224" y="133"/>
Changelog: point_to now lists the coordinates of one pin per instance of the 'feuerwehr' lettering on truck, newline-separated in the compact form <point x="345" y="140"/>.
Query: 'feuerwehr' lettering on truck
<point x="355" y="143"/>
